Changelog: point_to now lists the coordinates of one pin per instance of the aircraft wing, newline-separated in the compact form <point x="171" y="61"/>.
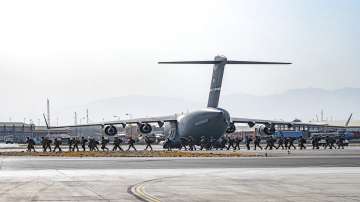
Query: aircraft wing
<point x="252" y="122"/>
<point x="160" y="120"/>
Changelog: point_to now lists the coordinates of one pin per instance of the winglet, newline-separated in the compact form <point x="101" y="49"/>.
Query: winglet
<point x="348" y="121"/>
<point x="47" y="125"/>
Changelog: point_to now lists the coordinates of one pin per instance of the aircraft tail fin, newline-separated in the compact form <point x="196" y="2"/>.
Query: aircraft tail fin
<point x="219" y="63"/>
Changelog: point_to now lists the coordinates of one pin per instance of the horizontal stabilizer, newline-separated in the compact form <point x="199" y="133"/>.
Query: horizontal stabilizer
<point x="256" y="62"/>
<point x="192" y="62"/>
<point x="226" y="62"/>
<point x="219" y="63"/>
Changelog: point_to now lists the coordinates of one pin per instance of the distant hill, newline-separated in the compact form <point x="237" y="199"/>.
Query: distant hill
<point x="299" y="103"/>
<point x="134" y="105"/>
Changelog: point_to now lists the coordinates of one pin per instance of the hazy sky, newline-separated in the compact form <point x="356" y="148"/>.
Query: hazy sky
<point x="76" y="52"/>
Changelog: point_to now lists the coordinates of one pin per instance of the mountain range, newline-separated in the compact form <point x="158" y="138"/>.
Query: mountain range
<point x="305" y="104"/>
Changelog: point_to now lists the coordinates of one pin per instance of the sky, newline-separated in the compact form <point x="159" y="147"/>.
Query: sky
<point x="76" y="52"/>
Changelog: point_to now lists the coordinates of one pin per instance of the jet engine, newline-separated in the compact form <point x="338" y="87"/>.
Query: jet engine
<point x="251" y="124"/>
<point x="110" y="130"/>
<point x="231" y="128"/>
<point x="145" y="128"/>
<point x="266" y="130"/>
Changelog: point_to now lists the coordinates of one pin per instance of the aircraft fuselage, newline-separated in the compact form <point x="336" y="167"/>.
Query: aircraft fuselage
<point x="208" y="122"/>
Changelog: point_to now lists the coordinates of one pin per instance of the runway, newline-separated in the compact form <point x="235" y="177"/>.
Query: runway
<point x="45" y="163"/>
<point x="298" y="176"/>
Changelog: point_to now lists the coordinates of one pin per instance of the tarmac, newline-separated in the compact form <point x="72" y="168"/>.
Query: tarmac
<point x="310" y="175"/>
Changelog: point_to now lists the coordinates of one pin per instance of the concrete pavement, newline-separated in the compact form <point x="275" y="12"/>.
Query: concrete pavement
<point x="298" y="176"/>
<point x="205" y="184"/>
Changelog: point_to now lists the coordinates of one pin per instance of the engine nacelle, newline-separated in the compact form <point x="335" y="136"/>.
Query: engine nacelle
<point x="145" y="128"/>
<point x="110" y="130"/>
<point x="251" y="124"/>
<point x="266" y="130"/>
<point x="231" y="128"/>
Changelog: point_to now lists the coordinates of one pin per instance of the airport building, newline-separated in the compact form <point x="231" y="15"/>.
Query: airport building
<point x="18" y="131"/>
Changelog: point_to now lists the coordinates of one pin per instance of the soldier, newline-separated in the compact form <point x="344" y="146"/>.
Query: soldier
<point x="268" y="143"/>
<point x="203" y="142"/>
<point x="83" y="143"/>
<point x="104" y="143"/>
<point x="257" y="142"/>
<point x="183" y="143"/>
<point x="247" y="142"/>
<point x="332" y="142"/>
<point x="222" y="143"/>
<point x="169" y="144"/>
<point x="191" y="143"/>
<point x="57" y="143"/>
<point x="327" y="142"/>
<point x="341" y="142"/>
<point x="313" y="142"/>
<point x="91" y="144"/>
<point x="211" y="142"/>
<point x="238" y="140"/>
<point x="230" y="143"/>
<point x="131" y="142"/>
<point x="302" y="142"/>
<point x="71" y="141"/>
<point x="117" y="142"/>
<point x="76" y="144"/>
<point x="148" y="143"/>
<point x="291" y="143"/>
<point x="286" y="142"/>
<point x="47" y="144"/>
<point x="30" y="144"/>
<point x="317" y="140"/>
<point x="280" y="143"/>
<point x="96" y="143"/>
<point x="43" y="143"/>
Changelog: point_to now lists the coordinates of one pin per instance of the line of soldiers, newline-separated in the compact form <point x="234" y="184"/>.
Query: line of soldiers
<point x="91" y="143"/>
<point x="227" y="143"/>
<point x="329" y="142"/>
<point x="188" y="143"/>
<point x="284" y="143"/>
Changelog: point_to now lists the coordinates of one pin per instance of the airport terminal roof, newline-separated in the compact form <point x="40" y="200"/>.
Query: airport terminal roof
<point x="354" y="123"/>
<point x="14" y="124"/>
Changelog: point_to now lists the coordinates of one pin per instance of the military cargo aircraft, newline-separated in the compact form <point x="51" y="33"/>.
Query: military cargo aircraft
<point x="211" y="121"/>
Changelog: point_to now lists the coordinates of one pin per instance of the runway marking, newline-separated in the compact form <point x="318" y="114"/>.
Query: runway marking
<point x="139" y="192"/>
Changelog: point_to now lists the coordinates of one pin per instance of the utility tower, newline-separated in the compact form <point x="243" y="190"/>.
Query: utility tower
<point x="322" y="115"/>
<point x="48" y="111"/>
<point x="75" y="118"/>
